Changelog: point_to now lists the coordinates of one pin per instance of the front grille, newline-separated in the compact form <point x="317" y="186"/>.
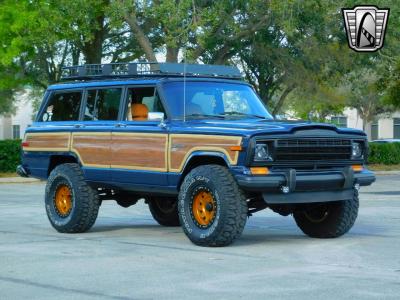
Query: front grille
<point x="312" y="149"/>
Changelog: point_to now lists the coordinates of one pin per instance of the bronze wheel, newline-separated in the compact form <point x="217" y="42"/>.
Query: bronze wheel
<point x="63" y="200"/>
<point x="71" y="204"/>
<point x="328" y="220"/>
<point x="212" y="208"/>
<point x="204" y="207"/>
<point x="317" y="214"/>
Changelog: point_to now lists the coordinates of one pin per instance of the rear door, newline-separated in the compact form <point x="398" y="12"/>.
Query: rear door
<point x="139" y="147"/>
<point x="91" y="138"/>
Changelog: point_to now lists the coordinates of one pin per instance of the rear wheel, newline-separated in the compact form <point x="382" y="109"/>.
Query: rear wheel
<point x="212" y="208"/>
<point x="71" y="204"/>
<point x="164" y="211"/>
<point x="328" y="220"/>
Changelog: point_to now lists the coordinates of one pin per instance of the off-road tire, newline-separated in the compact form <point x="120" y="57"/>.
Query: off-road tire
<point x="164" y="211"/>
<point x="338" y="220"/>
<point x="85" y="200"/>
<point x="231" y="207"/>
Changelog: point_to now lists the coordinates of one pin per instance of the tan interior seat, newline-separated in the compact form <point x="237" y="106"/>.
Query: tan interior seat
<point x="139" y="112"/>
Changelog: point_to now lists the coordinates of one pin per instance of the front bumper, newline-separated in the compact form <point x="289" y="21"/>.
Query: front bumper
<point x="291" y="186"/>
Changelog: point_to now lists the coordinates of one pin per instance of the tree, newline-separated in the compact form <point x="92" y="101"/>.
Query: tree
<point x="318" y="105"/>
<point x="289" y="50"/>
<point x="364" y="95"/>
<point x="299" y="49"/>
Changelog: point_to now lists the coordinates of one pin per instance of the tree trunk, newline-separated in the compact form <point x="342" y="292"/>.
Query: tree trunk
<point x="263" y="89"/>
<point x="140" y="36"/>
<point x="282" y="99"/>
<point x="93" y="49"/>
<point x="172" y="54"/>
<point x="75" y="52"/>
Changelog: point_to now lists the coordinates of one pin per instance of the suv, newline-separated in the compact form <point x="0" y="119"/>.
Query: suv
<point x="197" y="144"/>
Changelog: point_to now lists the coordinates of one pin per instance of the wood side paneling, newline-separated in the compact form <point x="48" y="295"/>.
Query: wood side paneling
<point x="47" y="141"/>
<point x="141" y="151"/>
<point x="93" y="149"/>
<point x="136" y="151"/>
<point x="181" y="146"/>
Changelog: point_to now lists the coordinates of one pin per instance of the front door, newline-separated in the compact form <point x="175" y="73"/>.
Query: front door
<point x="139" y="145"/>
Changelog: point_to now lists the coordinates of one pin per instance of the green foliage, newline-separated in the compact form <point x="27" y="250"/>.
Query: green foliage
<point x="9" y="155"/>
<point x="364" y="94"/>
<point x="387" y="154"/>
<point x="289" y="50"/>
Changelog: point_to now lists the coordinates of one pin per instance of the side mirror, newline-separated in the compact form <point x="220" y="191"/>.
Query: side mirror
<point x="155" y="116"/>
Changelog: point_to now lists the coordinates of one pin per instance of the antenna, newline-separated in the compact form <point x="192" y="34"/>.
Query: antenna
<point x="184" y="84"/>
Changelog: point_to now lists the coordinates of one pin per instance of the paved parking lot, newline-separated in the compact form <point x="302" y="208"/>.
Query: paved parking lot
<point x="128" y="256"/>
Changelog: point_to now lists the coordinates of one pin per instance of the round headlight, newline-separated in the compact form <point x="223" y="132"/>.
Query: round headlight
<point x="356" y="150"/>
<point x="261" y="153"/>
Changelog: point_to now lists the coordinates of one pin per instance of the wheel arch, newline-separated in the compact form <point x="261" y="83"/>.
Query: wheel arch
<point x="59" y="159"/>
<point x="200" y="158"/>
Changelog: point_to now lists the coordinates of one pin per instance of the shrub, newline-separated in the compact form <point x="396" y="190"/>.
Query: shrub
<point x="10" y="155"/>
<point x="387" y="154"/>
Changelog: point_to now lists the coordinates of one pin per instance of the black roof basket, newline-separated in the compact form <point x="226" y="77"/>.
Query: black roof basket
<point x="148" y="69"/>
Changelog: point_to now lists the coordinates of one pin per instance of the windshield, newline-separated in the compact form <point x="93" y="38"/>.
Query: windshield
<point x="213" y="100"/>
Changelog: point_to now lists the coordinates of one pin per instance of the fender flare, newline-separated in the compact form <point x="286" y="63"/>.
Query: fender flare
<point x="199" y="153"/>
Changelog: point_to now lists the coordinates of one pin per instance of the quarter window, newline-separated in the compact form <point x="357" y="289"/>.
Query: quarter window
<point x="103" y="104"/>
<point x="62" y="106"/>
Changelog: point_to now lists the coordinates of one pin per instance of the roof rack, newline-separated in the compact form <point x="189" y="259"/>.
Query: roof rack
<point x="147" y="69"/>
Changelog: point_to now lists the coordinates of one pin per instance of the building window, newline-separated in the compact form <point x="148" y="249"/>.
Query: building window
<point x="396" y="128"/>
<point x="339" y="121"/>
<point x="16" y="132"/>
<point x="374" y="130"/>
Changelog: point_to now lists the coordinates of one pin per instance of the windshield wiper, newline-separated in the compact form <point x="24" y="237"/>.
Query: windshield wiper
<point x="205" y="116"/>
<point x="237" y="113"/>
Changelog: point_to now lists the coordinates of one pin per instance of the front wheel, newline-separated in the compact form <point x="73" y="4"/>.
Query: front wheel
<point x="328" y="220"/>
<point x="212" y="208"/>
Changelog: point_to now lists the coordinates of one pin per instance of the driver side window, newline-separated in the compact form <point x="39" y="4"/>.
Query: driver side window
<point x="141" y="102"/>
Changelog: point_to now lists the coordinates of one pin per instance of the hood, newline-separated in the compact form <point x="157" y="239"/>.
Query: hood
<point x="262" y="127"/>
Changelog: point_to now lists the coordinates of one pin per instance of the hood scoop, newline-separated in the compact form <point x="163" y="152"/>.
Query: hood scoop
<point x="319" y="130"/>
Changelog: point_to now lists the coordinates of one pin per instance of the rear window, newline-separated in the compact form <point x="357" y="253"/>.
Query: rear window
<point x="62" y="106"/>
<point x="103" y="104"/>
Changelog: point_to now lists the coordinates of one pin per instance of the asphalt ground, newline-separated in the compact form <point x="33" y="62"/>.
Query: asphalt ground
<point x="127" y="255"/>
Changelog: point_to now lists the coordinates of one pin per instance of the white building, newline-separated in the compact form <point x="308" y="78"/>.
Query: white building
<point x="385" y="127"/>
<point x="14" y="126"/>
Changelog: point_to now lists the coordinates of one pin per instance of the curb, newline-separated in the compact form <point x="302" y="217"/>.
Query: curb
<point x="18" y="180"/>
<point x="386" y="172"/>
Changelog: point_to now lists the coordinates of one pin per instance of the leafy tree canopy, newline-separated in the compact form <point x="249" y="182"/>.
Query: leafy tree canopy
<point x="295" y="53"/>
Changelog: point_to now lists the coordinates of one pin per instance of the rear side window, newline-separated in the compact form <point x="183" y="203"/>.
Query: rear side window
<point x="103" y="104"/>
<point x="62" y="106"/>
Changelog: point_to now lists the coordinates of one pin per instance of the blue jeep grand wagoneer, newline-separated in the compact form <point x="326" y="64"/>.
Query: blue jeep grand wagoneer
<point x="197" y="144"/>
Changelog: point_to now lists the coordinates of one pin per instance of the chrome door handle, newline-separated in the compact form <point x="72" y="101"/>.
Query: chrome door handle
<point x="79" y="126"/>
<point x="120" y="125"/>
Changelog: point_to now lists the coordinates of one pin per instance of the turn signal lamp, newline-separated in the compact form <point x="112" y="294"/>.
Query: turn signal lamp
<point x="357" y="168"/>
<point x="236" y="148"/>
<point x="259" y="171"/>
